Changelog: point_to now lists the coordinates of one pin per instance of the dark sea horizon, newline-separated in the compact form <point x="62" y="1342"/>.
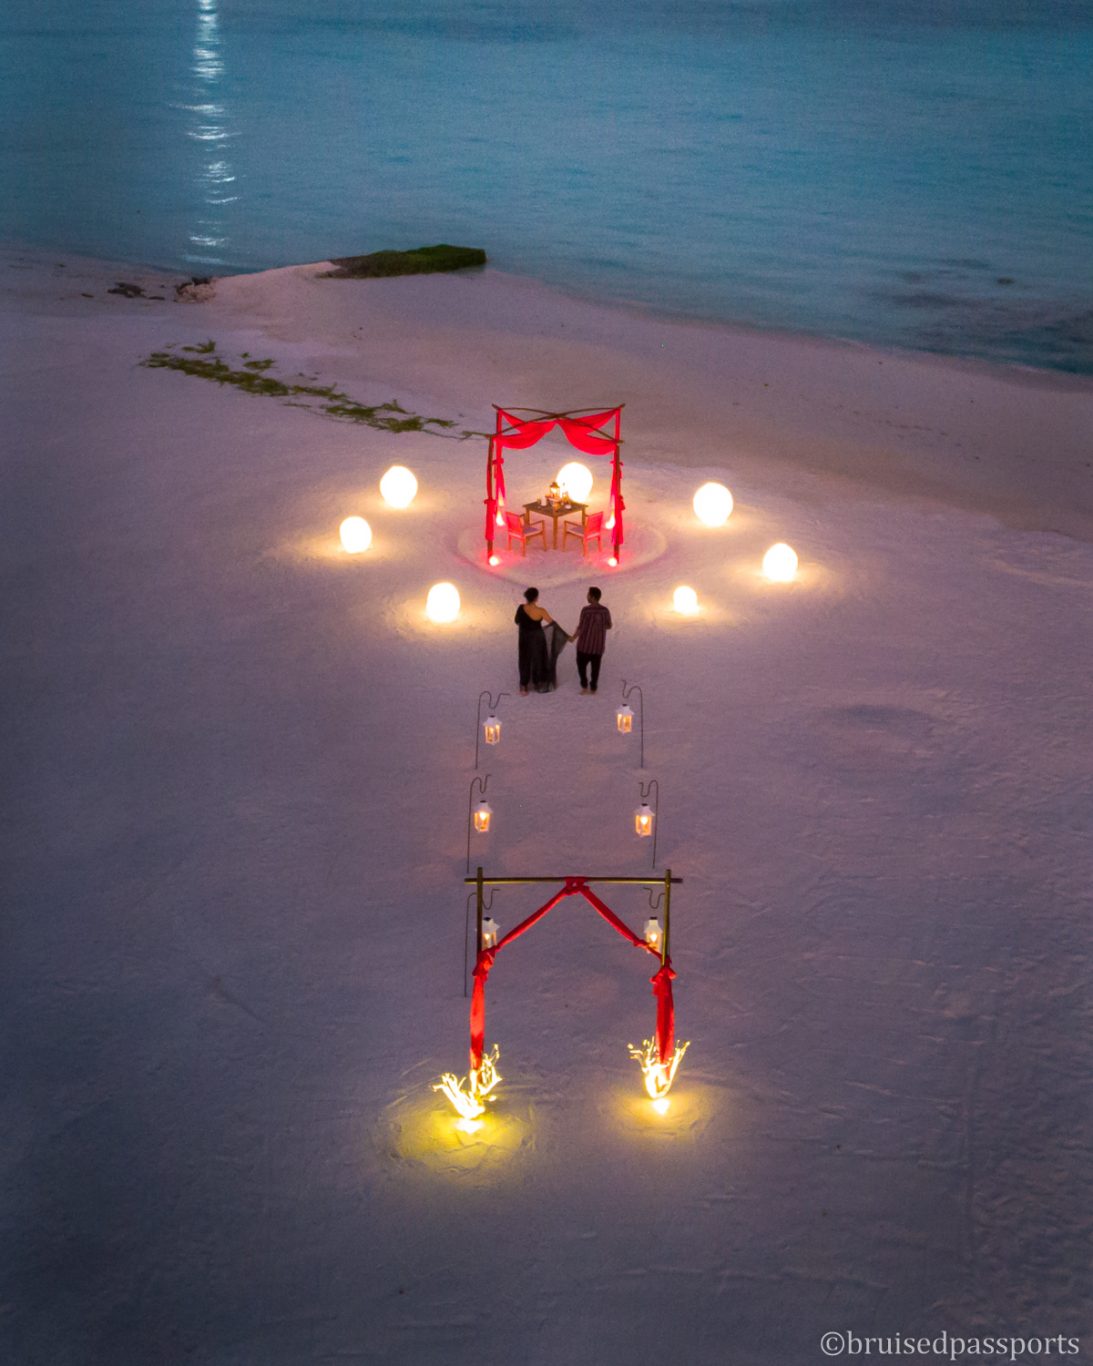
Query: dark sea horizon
<point x="915" y="176"/>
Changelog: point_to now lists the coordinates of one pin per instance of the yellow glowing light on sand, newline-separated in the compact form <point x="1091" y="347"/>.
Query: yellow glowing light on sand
<point x="685" y="601"/>
<point x="661" y="1106"/>
<point x="398" y="486"/>
<point x="576" y="479"/>
<point x="713" y="504"/>
<point x="658" y="1076"/>
<point x="442" y="604"/>
<point x="468" y="1093"/>
<point x="472" y="1126"/>
<point x="495" y="560"/>
<point x="780" y="563"/>
<point x="356" y="535"/>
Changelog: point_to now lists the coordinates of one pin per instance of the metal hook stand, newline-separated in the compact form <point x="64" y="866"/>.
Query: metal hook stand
<point x="478" y="718"/>
<point x="481" y="784"/>
<point x="626" y="691"/>
<point x="645" y="789"/>
<point x="656" y="898"/>
<point x="486" y="906"/>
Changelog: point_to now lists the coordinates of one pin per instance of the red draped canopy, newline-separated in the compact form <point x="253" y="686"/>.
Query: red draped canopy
<point x="593" y="433"/>
<point x="575" y="886"/>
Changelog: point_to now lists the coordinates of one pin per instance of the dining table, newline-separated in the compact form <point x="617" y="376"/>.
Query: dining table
<point x="556" y="511"/>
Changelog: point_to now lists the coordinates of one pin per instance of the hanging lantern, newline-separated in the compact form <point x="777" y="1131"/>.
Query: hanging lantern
<point x="624" y="720"/>
<point x="780" y="563"/>
<point x="653" y="934"/>
<point x="643" y="821"/>
<point x="491" y="730"/>
<point x="398" y="486"/>
<point x="713" y="504"/>
<point x="576" y="479"/>
<point x="356" y="535"/>
<point x="442" y="604"/>
<point x="685" y="601"/>
<point x="482" y="813"/>
<point x="491" y="931"/>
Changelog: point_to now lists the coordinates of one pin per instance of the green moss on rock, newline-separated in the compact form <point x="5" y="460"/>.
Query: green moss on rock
<point x="419" y="261"/>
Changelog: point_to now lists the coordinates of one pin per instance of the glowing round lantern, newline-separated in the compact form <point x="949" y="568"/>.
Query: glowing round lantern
<point x="652" y="934"/>
<point x="482" y="813"/>
<point x="624" y="720"/>
<point x="576" y="479"/>
<point x="780" y="563"/>
<point x="491" y="730"/>
<point x="356" y="535"/>
<point x="495" y="560"/>
<point x="685" y="601"/>
<point x="491" y="930"/>
<point x="643" y="821"/>
<point x="398" y="486"/>
<point x="713" y="504"/>
<point x="442" y="604"/>
<point x="612" y="561"/>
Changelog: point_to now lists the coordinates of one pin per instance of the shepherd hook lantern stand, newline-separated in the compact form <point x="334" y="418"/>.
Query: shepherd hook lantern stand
<point x="488" y="905"/>
<point x="624" y="717"/>
<point x="493" y="726"/>
<point x="479" y="819"/>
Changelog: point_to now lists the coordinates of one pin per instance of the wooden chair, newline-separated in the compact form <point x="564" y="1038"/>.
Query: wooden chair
<point x="591" y="529"/>
<point x="523" y="531"/>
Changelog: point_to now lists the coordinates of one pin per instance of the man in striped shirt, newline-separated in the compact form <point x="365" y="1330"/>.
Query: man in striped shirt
<point x="591" y="639"/>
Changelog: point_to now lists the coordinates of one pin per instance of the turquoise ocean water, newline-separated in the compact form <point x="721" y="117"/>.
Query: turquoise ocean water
<point x="916" y="174"/>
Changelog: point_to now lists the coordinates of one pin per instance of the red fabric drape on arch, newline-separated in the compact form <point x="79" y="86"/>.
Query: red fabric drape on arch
<point x="591" y="433"/>
<point x="661" y="980"/>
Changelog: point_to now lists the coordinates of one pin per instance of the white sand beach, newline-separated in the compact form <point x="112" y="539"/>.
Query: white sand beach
<point x="238" y="762"/>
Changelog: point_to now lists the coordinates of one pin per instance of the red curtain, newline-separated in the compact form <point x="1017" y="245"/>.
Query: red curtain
<point x="661" y="979"/>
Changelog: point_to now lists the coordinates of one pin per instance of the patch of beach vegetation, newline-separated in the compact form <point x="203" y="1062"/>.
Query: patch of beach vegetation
<point x="418" y="261"/>
<point x="251" y="376"/>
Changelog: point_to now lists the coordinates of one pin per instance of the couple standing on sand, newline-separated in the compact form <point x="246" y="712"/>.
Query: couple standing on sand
<point x="542" y="640"/>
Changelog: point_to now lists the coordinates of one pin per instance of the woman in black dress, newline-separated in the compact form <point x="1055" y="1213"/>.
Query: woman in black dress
<point x="535" y="666"/>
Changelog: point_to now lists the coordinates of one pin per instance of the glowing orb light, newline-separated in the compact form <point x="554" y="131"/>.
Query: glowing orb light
<point x="612" y="561"/>
<point x="398" y="486"/>
<point x="356" y="535"/>
<point x="780" y="563"/>
<point x="442" y="604"/>
<point x="713" y="504"/>
<point x="685" y="601"/>
<point x="576" y="479"/>
<point x="495" y="560"/>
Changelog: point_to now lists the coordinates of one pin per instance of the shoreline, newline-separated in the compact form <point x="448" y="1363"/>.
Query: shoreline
<point x="1038" y="375"/>
<point x="760" y="404"/>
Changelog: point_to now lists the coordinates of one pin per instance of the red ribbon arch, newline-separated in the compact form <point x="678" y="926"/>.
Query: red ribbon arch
<point x="574" y="886"/>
